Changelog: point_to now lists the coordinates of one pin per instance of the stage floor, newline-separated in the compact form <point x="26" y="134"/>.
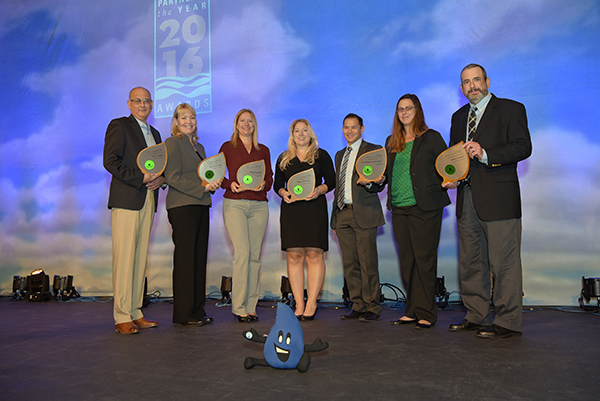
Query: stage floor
<point x="69" y="350"/>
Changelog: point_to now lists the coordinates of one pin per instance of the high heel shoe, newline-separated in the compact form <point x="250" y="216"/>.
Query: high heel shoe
<point x="307" y="317"/>
<point x="399" y="322"/>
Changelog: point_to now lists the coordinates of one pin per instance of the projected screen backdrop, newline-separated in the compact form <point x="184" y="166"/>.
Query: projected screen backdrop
<point x="66" y="69"/>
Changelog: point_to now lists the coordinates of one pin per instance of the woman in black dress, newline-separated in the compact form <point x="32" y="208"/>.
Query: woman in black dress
<point x="304" y="223"/>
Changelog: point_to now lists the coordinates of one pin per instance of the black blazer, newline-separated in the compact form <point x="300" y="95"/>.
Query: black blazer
<point x="365" y="201"/>
<point x="503" y="133"/>
<point x="123" y="141"/>
<point x="427" y="183"/>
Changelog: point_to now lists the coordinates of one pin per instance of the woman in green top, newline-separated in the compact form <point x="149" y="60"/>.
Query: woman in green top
<point x="416" y="199"/>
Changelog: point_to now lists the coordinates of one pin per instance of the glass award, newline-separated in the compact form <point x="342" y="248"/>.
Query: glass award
<point x="300" y="185"/>
<point x="453" y="163"/>
<point x="212" y="169"/>
<point x="251" y="175"/>
<point x="371" y="165"/>
<point x="153" y="159"/>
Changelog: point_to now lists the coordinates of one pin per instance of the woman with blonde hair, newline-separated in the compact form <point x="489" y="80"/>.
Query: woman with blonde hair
<point x="246" y="214"/>
<point x="304" y="223"/>
<point x="188" y="203"/>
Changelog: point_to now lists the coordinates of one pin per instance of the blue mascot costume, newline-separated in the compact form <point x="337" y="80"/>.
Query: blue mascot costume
<point x="284" y="346"/>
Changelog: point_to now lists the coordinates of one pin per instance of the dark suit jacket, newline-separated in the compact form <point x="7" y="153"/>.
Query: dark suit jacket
<point x="427" y="183"/>
<point x="366" y="203"/>
<point x="124" y="140"/>
<point x="181" y="173"/>
<point x="503" y="133"/>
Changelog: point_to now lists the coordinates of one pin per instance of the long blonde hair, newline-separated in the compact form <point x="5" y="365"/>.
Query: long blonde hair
<point x="311" y="152"/>
<point x="418" y="127"/>
<point x="236" y="133"/>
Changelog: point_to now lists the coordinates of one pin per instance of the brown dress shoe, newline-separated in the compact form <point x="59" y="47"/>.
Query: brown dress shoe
<point x="126" y="328"/>
<point x="143" y="323"/>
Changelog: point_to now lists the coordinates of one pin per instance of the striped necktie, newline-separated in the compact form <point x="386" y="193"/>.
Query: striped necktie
<point x="472" y="122"/>
<point x="342" y="190"/>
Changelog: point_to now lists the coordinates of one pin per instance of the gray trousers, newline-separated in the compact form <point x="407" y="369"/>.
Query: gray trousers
<point x="359" y="258"/>
<point x="486" y="249"/>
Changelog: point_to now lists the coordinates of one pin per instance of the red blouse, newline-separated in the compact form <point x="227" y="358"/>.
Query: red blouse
<point x="237" y="157"/>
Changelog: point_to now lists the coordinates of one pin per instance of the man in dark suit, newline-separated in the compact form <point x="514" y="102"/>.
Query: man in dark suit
<point x="356" y="215"/>
<point x="488" y="208"/>
<point x="132" y="200"/>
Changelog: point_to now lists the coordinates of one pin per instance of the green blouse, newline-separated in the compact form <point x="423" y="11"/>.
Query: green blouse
<point x="401" y="187"/>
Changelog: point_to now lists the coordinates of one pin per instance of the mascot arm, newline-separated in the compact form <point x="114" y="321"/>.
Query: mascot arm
<point x="316" y="346"/>
<point x="253" y="335"/>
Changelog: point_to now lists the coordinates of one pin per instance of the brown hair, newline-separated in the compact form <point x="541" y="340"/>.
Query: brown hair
<point x="418" y="126"/>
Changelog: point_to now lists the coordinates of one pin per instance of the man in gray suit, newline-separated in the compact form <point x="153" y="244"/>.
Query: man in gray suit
<point x="356" y="215"/>
<point x="488" y="207"/>
<point x="132" y="200"/>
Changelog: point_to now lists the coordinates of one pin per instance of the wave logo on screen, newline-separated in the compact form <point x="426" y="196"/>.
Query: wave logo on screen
<point x="182" y="69"/>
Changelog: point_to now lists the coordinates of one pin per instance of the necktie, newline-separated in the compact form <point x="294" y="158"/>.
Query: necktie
<point x="472" y="122"/>
<point x="342" y="189"/>
<point x="148" y="135"/>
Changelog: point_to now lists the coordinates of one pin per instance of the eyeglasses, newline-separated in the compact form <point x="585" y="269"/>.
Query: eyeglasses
<point x="407" y="108"/>
<point x="138" y="101"/>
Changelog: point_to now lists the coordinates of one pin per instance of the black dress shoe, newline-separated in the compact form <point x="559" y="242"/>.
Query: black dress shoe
<point x="497" y="332"/>
<point x="400" y="322"/>
<point x="465" y="326"/>
<point x="253" y="318"/>
<point x="202" y="322"/>
<point x="368" y="317"/>
<point x="354" y="315"/>
<point x="243" y="319"/>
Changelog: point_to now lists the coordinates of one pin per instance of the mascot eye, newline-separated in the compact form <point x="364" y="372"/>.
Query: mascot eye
<point x="280" y="337"/>
<point x="288" y="338"/>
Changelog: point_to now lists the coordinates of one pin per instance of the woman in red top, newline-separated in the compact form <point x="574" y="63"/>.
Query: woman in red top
<point x="245" y="213"/>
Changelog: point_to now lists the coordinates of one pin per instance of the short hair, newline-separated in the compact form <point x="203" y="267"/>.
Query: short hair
<point x="352" y="115"/>
<point x="178" y="110"/>
<point x="139" y="87"/>
<point x="473" y="65"/>
<point x="236" y="134"/>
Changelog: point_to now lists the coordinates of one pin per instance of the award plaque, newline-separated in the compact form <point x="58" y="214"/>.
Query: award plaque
<point x="302" y="184"/>
<point x="371" y="165"/>
<point x="212" y="169"/>
<point x="153" y="159"/>
<point x="453" y="163"/>
<point x="251" y="175"/>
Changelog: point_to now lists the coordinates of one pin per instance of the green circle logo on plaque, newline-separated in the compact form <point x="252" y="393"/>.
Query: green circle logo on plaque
<point x="367" y="170"/>
<point x="298" y="189"/>
<point x="450" y="169"/>
<point x="209" y="174"/>
<point x="149" y="164"/>
<point x="247" y="179"/>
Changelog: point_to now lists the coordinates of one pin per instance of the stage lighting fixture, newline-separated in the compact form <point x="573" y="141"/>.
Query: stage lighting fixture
<point x="19" y="289"/>
<point x="226" y="283"/>
<point x="286" y="290"/>
<point x="441" y="294"/>
<point x="38" y="284"/>
<point x="590" y="288"/>
<point x="63" y="289"/>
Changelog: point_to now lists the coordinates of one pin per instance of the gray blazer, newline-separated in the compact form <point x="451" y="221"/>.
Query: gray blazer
<point x="181" y="173"/>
